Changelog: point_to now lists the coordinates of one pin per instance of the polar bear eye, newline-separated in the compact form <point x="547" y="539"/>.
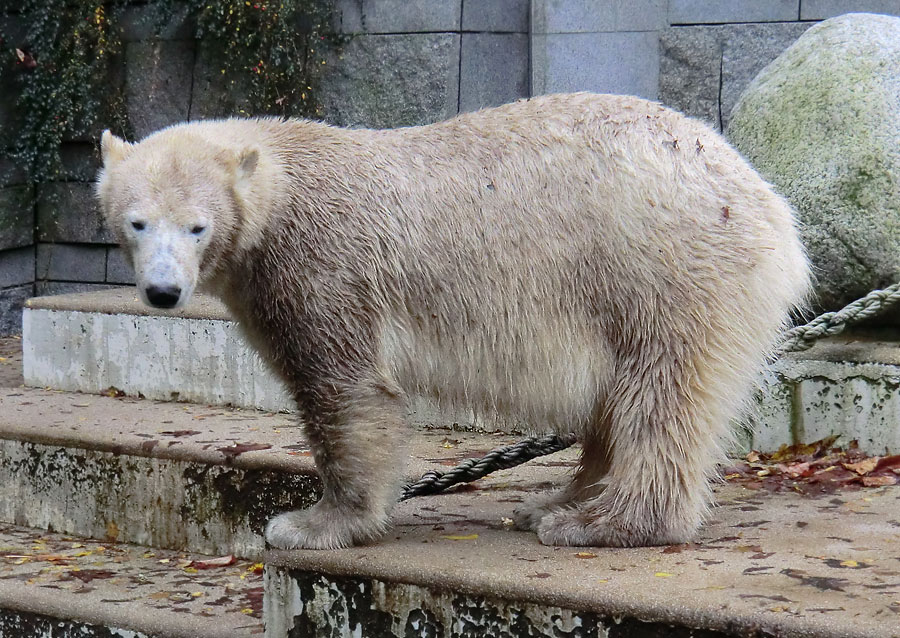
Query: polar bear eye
<point x="138" y="225"/>
<point x="198" y="230"/>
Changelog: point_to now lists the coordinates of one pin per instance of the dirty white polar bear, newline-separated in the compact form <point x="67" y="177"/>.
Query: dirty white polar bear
<point x="596" y="263"/>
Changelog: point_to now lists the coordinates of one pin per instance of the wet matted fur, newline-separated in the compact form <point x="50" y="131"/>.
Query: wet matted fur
<point x="597" y="263"/>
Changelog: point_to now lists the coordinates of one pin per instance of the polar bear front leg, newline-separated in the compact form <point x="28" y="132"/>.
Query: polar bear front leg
<point x="360" y="455"/>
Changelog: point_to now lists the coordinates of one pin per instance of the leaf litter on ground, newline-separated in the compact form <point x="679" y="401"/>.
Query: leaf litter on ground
<point x="814" y="468"/>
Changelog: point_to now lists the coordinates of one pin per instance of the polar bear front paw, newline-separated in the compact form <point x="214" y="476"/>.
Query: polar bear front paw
<point x="321" y="527"/>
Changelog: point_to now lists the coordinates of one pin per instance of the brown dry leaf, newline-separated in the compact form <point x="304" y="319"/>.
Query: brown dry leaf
<point x="879" y="481"/>
<point x="159" y="595"/>
<point x="752" y="457"/>
<point x="863" y="467"/>
<point x="585" y="555"/>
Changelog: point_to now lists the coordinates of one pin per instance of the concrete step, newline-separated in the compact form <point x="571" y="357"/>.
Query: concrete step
<point x="62" y="586"/>
<point x="89" y="342"/>
<point x="174" y="475"/>
<point x="766" y="564"/>
<point x="93" y="341"/>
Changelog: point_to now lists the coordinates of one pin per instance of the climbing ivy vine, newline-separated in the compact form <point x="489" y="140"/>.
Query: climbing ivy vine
<point x="63" y="64"/>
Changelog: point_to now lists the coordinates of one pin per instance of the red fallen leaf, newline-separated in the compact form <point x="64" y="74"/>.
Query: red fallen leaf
<point x="879" y="481"/>
<point x="888" y="462"/>
<point x="87" y="575"/>
<point x="223" y="561"/>
<point x="237" y="449"/>
<point x="794" y="470"/>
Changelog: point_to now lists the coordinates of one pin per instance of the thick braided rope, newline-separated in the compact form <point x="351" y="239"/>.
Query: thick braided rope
<point x="795" y="340"/>
<point x="497" y="459"/>
<point x="832" y="323"/>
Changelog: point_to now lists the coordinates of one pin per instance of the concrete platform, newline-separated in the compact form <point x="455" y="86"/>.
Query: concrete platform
<point x="768" y="563"/>
<point x="175" y="475"/>
<point x="93" y="341"/>
<point x="59" y="586"/>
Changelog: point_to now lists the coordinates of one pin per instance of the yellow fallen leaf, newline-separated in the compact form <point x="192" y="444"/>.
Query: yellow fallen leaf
<point x="80" y="554"/>
<point x="246" y="610"/>
<point x="603" y="580"/>
<point x="663" y="575"/>
<point x="849" y="563"/>
<point x="164" y="561"/>
<point x="469" y="537"/>
<point x="191" y="570"/>
<point x="585" y="555"/>
<point x="728" y="477"/>
<point x="197" y="594"/>
<point x="256" y="568"/>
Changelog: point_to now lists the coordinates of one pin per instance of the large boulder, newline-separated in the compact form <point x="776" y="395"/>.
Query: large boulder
<point x="822" y="123"/>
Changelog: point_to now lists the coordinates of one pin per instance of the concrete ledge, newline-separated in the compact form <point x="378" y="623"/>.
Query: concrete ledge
<point x="178" y="476"/>
<point x="764" y="565"/>
<point x="52" y="586"/>
<point x="89" y="342"/>
<point x="93" y="341"/>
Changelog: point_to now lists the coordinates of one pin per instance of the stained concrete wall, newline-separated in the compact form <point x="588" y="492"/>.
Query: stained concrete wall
<point x="405" y="62"/>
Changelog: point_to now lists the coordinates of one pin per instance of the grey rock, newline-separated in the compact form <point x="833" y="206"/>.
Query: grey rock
<point x="80" y="161"/>
<point x="118" y="270"/>
<point x="623" y="63"/>
<point x="16" y="217"/>
<point x="593" y="16"/>
<point x="690" y="65"/>
<point x="385" y="81"/>
<point x="70" y="262"/>
<point x="11" y="302"/>
<point x="493" y="69"/>
<point x="397" y="16"/>
<point x="146" y="22"/>
<point x="216" y="93"/>
<point x="704" y="69"/>
<point x="68" y="212"/>
<point x="724" y="11"/>
<point x="821" y="9"/>
<point x="158" y="84"/>
<point x="747" y="50"/>
<point x="822" y="123"/>
<point x="16" y="267"/>
<point x="495" y="16"/>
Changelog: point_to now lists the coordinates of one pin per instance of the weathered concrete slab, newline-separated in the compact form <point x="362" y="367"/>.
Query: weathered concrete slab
<point x="16" y="216"/>
<point x="504" y="80"/>
<point x="722" y="11"/>
<point x="821" y="9"/>
<point x="764" y="565"/>
<point x="385" y="81"/>
<point x="590" y="16"/>
<point x="62" y="587"/>
<point x="87" y="343"/>
<point x="624" y="63"/>
<point x="16" y="267"/>
<point x="174" y="475"/>
<point x="69" y="212"/>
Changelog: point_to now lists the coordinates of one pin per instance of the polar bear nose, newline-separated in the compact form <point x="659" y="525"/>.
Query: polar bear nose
<point x="163" y="296"/>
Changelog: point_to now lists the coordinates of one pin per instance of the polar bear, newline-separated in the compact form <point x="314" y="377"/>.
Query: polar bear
<point x="599" y="264"/>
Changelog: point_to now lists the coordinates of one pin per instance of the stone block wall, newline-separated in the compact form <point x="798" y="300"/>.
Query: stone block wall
<point x="405" y="62"/>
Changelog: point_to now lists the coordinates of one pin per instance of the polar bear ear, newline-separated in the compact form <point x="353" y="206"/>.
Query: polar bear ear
<point x="247" y="163"/>
<point x="113" y="149"/>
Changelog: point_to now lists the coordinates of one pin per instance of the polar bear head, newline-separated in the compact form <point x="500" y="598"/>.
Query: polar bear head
<point x="176" y="202"/>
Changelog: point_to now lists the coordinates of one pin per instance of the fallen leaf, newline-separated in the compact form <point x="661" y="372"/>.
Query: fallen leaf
<point x="849" y="563"/>
<point x="879" y="481"/>
<point x="112" y="531"/>
<point x="223" y="561"/>
<point x="468" y="537"/>
<point x="863" y="467"/>
<point x="585" y="555"/>
<point x="663" y="575"/>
